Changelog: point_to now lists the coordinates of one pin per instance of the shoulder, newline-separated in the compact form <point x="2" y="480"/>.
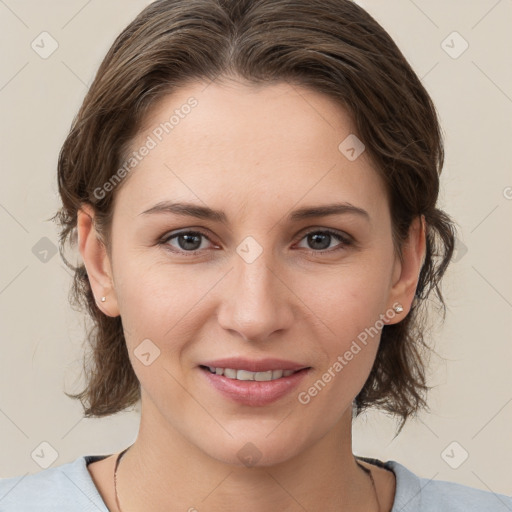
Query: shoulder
<point x="418" y="494"/>
<point x="62" y="488"/>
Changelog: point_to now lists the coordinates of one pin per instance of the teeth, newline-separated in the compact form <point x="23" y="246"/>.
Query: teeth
<point x="247" y="375"/>
<point x="229" y="373"/>
<point x="243" y="375"/>
<point x="262" y="376"/>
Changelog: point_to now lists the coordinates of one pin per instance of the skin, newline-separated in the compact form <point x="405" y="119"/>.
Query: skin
<point x="258" y="154"/>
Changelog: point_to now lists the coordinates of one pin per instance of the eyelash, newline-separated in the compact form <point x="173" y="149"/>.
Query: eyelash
<point x="345" y="240"/>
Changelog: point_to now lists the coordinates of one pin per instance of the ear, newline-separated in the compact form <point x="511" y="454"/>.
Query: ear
<point x="97" y="262"/>
<point x="406" y="273"/>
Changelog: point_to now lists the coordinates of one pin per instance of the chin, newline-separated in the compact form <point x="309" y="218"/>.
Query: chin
<point x="256" y="450"/>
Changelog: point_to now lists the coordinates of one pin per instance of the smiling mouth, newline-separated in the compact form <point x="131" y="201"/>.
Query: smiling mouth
<point x="246" y="375"/>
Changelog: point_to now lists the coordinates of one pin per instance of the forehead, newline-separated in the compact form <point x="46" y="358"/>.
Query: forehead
<point x="271" y="142"/>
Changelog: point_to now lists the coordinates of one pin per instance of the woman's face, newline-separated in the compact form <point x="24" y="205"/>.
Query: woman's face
<point x="256" y="279"/>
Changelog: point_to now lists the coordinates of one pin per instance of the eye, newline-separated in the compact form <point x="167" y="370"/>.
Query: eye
<point x="187" y="241"/>
<point x="320" y="240"/>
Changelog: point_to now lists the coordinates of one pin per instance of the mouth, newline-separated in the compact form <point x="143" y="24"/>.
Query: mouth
<point x="253" y="388"/>
<point x="246" y="375"/>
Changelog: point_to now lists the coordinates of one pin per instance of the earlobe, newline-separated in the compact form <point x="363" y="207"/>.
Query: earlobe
<point x="96" y="261"/>
<point x="405" y="279"/>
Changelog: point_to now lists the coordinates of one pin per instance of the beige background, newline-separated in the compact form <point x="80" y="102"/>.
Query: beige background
<point x="42" y="337"/>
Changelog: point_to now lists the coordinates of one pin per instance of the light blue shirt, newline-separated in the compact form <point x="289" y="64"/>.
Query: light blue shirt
<point x="69" y="488"/>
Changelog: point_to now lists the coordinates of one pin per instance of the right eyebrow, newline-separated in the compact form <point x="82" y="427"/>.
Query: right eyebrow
<point x="188" y="209"/>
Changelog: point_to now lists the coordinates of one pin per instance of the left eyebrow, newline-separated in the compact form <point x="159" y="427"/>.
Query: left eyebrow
<point x="204" y="212"/>
<point x="328" y="209"/>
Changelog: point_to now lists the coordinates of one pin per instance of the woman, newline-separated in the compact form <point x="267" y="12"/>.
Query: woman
<point x="252" y="185"/>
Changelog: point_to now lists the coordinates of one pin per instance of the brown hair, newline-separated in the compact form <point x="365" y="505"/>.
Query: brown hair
<point x="330" y="46"/>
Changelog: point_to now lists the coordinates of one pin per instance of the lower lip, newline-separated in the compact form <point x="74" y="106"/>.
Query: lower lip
<point x="255" y="393"/>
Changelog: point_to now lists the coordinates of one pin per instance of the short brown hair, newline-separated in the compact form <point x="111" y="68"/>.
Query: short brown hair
<point x="333" y="47"/>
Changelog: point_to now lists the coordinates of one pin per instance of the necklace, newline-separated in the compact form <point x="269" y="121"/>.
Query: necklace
<point x="369" y="473"/>
<point x="119" y="457"/>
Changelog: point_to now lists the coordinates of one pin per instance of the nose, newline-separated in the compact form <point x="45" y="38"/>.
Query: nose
<point x="257" y="301"/>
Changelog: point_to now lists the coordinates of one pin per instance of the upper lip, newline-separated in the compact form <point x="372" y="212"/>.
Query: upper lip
<point x="261" y="365"/>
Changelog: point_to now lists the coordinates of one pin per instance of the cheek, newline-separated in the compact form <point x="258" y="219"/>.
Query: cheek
<point x="156" y="299"/>
<point x="142" y="295"/>
<point x="348" y="335"/>
<point x="348" y="300"/>
<point x="348" y="310"/>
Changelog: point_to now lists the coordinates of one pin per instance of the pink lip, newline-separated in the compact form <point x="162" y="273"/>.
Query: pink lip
<point x="254" y="393"/>
<point x="262" y="365"/>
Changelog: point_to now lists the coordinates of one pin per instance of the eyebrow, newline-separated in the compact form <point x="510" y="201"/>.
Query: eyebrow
<point x="204" y="212"/>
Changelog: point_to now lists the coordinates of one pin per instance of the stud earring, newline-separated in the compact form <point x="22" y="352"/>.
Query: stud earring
<point x="398" y="308"/>
<point x="103" y="299"/>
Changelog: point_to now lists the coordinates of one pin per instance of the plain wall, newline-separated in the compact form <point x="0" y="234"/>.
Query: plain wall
<point x="42" y="338"/>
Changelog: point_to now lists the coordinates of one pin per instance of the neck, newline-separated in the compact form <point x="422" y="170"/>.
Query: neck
<point x="174" y="475"/>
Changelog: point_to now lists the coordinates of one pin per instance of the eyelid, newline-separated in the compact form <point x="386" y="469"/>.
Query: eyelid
<point x="318" y="229"/>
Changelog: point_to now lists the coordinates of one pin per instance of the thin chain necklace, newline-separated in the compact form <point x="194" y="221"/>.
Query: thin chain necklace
<point x="369" y="473"/>
<point x="119" y="457"/>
